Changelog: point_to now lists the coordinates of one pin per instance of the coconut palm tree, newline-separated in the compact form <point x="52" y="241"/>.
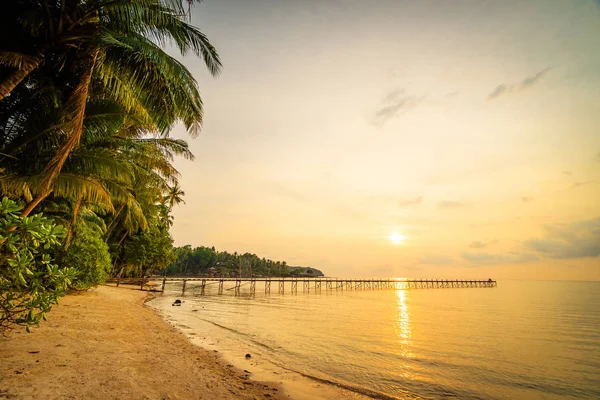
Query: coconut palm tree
<point x="106" y="48"/>
<point x="174" y="196"/>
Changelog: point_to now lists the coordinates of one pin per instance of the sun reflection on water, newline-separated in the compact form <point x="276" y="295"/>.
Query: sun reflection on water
<point x="403" y="322"/>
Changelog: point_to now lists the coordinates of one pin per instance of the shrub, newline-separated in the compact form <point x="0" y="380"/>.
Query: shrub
<point x="30" y="283"/>
<point x="88" y="255"/>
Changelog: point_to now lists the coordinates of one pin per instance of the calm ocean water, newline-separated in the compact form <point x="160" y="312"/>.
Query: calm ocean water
<point x="521" y="340"/>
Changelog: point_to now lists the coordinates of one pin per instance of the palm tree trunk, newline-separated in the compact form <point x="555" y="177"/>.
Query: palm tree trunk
<point x="122" y="238"/>
<point x="112" y="224"/>
<point x="77" y="103"/>
<point x="17" y="76"/>
<point x="76" y="209"/>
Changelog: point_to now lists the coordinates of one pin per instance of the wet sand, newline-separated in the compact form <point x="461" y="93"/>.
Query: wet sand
<point x="105" y="344"/>
<point x="231" y="346"/>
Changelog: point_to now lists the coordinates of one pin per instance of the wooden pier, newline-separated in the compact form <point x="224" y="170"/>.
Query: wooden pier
<point x="248" y="285"/>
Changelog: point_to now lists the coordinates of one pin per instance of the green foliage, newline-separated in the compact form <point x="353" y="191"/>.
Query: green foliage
<point x="30" y="283"/>
<point x="207" y="260"/>
<point x="88" y="255"/>
<point x="87" y="99"/>
<point x="148" y="252"/>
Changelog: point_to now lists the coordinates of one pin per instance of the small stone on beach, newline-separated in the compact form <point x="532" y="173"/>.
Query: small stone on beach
<point x="248" y="355"/>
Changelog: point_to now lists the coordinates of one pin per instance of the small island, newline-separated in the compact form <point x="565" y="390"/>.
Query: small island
<point x="209" y="262"/>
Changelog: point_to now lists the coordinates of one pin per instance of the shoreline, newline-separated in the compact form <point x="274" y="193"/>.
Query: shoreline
<point x="232" y="347"/>
<point x="106" y="343"/>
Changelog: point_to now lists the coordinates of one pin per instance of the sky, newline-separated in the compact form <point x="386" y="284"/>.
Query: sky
<point x="471" y="129"/>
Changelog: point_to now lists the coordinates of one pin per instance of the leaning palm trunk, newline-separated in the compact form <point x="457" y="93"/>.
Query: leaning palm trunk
<point x="17" y="76"/>
<point x="76" y="103"/>
<point x="76" y="209"/>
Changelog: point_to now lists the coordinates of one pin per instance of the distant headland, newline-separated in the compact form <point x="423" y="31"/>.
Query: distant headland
<point x="207" y="261"/>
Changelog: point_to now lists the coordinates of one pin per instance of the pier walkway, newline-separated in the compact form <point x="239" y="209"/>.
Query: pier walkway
<point x="290" y="285"/>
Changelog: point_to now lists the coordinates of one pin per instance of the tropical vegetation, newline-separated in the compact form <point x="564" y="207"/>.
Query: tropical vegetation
<point x="208" y="261"/>
<point x="88" y="97"/>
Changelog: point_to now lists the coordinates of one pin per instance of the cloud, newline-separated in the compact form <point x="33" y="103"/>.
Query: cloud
<point x="404" y="203"/>
<point x="394" y="103"/>
<point x="481" y="259"/>
<point x="499" y="91"/>
<point x="597" y="158"/>
<point x="526" y="83"/>
<point x="579" y="239"/>
<point x="436" y="259"/>
<point x="448" y="204"/>
<point x="569" y="173"/>
<point x="532" y="80"/>
<point x="579" y="184"/>
<point x="526" y="199"/>
<point x="478" y="244"/>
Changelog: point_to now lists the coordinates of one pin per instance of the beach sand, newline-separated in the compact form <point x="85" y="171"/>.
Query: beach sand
<point x="232" y="347"/>
<point x="105" y="344"/>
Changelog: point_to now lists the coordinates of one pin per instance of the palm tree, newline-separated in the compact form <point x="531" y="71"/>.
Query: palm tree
<point x="33" y="32"/>
<point x="174" y="197"/>
<point x="115" y="169"/>
<point x="110" y="48"/>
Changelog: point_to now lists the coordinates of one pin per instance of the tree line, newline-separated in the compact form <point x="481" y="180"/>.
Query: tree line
<point x="88" y="98"/>
<point x="208" y="261"/>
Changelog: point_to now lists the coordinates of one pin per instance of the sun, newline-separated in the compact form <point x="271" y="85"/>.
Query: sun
<point x="396" y="238"/>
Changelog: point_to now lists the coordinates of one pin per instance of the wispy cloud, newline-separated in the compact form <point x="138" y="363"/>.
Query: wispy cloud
<point x="526" y="199"/>
<point x="478" y="244"/>
<point x="569" y="173"/>
<point x="448" y="204"/>
<point x="483" y="259"/>
<point x="579" y="184"/>
<point x="575" y="240"/>
<point x="394" y="103"/>
<point x="532" y="80"/>
<point x="580" y="239"/>
<point x="499" y="91"/>
<point x="597" y="158"/>
<point x="526" y="83"/>
<point x="404" y="203"/>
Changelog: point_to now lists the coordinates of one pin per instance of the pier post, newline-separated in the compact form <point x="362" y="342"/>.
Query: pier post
<point x="163" y="285"/>
<point x="220" y="286"/>
<point x="282" y="286"/>
<point x="203" y="287"/>
<point x="183" y="288"/>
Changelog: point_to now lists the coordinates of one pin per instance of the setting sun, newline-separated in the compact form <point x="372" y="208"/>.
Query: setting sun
<point x="396" y="238"/>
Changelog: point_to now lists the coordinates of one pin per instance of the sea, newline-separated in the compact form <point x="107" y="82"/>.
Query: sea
<point x="519" y="340"/>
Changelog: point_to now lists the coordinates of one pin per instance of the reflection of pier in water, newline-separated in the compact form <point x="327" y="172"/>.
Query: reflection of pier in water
<point x="307" y="285"/>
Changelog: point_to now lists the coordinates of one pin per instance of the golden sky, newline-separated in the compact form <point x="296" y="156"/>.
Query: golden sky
<point x="471" y="128"/>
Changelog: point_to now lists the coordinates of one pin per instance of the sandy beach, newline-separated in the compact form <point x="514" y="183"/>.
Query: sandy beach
<point x="105" y="344"/>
